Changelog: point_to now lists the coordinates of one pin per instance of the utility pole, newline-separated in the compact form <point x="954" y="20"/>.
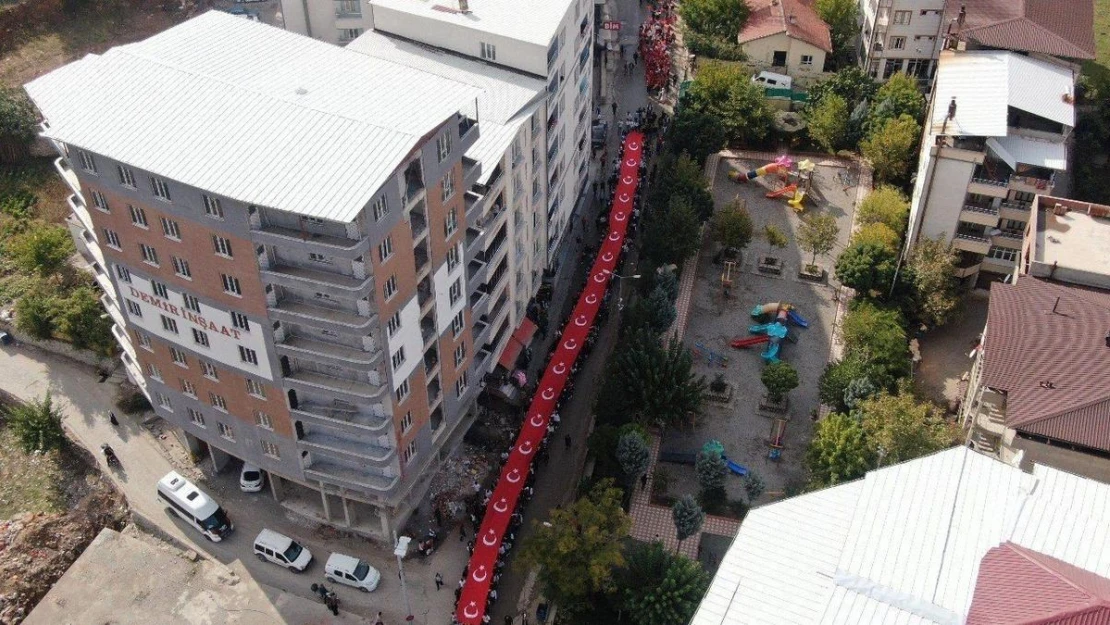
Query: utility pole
<point x="402" y="550"/>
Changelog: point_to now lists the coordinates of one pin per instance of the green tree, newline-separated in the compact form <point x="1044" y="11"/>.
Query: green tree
<point x="732" y="225"/>
<point x="696" y="134"/>
<point x="656" y="312"/>
<point x="901" y="428"/>
<point x="829" y="122"/>
<point x="43" y="249"/>
<point x="898" y="96"/>
<point x="818" y="234"/>
<point x="37" y="425"/>
<point x="82" y="318"/>
<point x="680" y="176"/>
<point x="775" y="237"/>
<point x="581" y="546"/>
<point x="858" y="390"/>
<point x="877" y="234"/>
<point x="885" y="205"/>
<point x="839" y="451"/>
<point x="672" y="235"/>
<point x="876" y="336"/>
<point x="930" y="270"/>
<point x="35" y="312"/>
<point x="667" y="281"/>
<point x="651" y="383"/>
<point x="890" y="149"/>
<point x="660" y="588"/>
<point x="841" y="16"/>
<point x="754" y="485"/>
<point x="688" y="517"/>
<point x="634" y="455"/>
<point x="17" y="123"/>
<point x="779" y="378"/>
<point x="838" y="376"/>
<point x="850" y="83"/>
<point x="717" y="18"/>
<point x="867" y="267"/>
<point x="711" y="471"/>
<point x="726" y="91"/>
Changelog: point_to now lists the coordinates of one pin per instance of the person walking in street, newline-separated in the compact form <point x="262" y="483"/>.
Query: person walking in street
<point x="439" y="581"/>
<point x="643" y="481"/>
<point x="614" y="107"/>
<point x="379" y="621"/>
<point x="567" y="440"/>
<point x="332" y="602"/>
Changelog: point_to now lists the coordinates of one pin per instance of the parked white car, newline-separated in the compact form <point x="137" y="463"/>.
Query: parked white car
<point x="271" y="546"/>
<point x="251" y="478"/>
<point x="772" y="80"/>
<point x="341" y="569"/>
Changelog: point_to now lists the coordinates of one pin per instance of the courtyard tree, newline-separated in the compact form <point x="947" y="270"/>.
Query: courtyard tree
<point x="858" y="390"/>
<point x="876" y="336"/>
<point x="775" y="237"/>
<point x="711" y="471"/>
<point x="838" y="376"/>
<point x="660" y="588"/>
<point x="779" y="378"/>
<point x="850" y="83"/>
<point x="42" y="249"/>
<point x="890" y="149"/>
<point x="17" y="124"/>
<point x="653" y="383"/>
<point x="754" y="486"/>
<point x="725" y="90"/>
<point x="82" y="318"/>
<point x="35" y="312"/>
<point x="37" y="425"/>
<point x="885" y="205"/>
<point x="867" y="267"/>
<point x="634" y="455"/>
<point x="578" y="550"/>
<point x="716" y="18"/>
<point x="817" y="235"/>
<point x="656" y="312"/>
<point x="732" y="225"/>
<point x="930" y="270"/>
<point x="898" y="96"/>
<point x="841" y="16"/>
<point x="900" y="428"/>
<point x="877" y="234"/>
<point x="672" y="235"/>
<point x="839" y="451"/>
<point x="696" y="134"/>
<point x="828" y="123"/>
<point x="680" y="176"/>
<point x="688" y="517"/>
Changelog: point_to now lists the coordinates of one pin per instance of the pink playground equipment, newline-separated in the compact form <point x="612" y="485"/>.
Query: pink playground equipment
<point x="781" y="166"/>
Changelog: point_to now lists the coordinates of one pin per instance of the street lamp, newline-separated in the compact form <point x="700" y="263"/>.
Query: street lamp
<point x="620" y="287"/>
<point x="402" y="550"/>
<point x="614" y="275"/>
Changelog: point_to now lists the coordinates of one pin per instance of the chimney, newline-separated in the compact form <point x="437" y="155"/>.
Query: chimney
<point x="952" y="108"/>
<point x="464" y="6"/>
<point x="793" y="20"/>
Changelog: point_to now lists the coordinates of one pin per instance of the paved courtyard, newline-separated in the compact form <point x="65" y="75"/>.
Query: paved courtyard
<point x="715" y="320"/>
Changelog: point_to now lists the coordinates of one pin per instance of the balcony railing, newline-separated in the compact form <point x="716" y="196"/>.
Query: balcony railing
<point x="348" y="356"/>
<point x="318" y="381"/>
<point x="68" y="175"/>
<point x="280" y="235"/>
<point x="990" y="182"/>
<point x="356" y="479"/>
<point x="351" y="420"/>
<point x="283" y="273"/>
<point x="296" y="309"/>
<point x="321" y="441"/>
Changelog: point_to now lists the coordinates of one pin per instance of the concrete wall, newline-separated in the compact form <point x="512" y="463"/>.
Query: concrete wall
<point x="938" y="197"/>
<point x="761" y="53"/>
<point x="1061" y="458"/>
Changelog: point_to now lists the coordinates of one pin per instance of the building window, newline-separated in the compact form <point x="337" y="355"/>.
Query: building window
<point x="153" y="371"/>
<point x="393" y="324"/>
<point x="123" y="273"/>
<point x="248" y="355"/>
<point x="87" y="162"/>
<point x="181" y="267"/>
<point x="406" y="422"/>
<point x="112" y="239"/>
<point x="891" y="67"/>
<point x="169" y="325"/>
<point x="402" y="391"/>
<point x="408" y="453"/>
<point x="270" y="449"/>
<point x="189" y="388"/>
<point x="196" y="417"/>
<point x="100" y="202"/>
<point x="455" y="292"/>
<point x="192" y="303"/>
<point x="347" y="8"/>
<point x="171" y="229"/>
<point x="222" y="246"/>
<point x="451" y="224"/>
<point x="159" y="289"/>
<point x="443" y="146"/>
<point x="263" y="420"/>
<point x="231" y="284"/>
<point x="452" y="258"/>
<point x="398" y="358"/>
<point x="126" y="176"/>
<point x="144" y="341"/>
<point x="138" y="216"/>
<point x="200" y="337"/>
<point x="457" y="323"/>
<point x="460" y="385"/>
<point x="902" y="18"/>
<point x="487" y="51"/>
<point x="240" y="321"/>
<point x="178" y="357"/>
<point x="381" y="208"/>
<point x="150" y="255"/>
<point x="226" y="431"/>
<point x="385" y="249"/>
<point x="133" y="308"/>
<point x="460" y="354"/>
<point x="209" y="370"/>
<point x="320" y="258"/>
<point x="390" y="288"/>
<point x="255" y="388"/>
<point x="347" y="35"/>
<point x="807" y="60"/>
<point x="448" y="184"/>
<point x="1003" y="253"/>
<point x="212" y="207"/>
<point x="164" y="401"/>
<point x="160" y="188"/>
<point x="218" y="402"/>
<point x="897" y="43"/>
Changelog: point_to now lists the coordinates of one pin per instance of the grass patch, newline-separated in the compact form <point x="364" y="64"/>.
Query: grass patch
<point x="1098" y="71"/>
<point x="29" y="482"/>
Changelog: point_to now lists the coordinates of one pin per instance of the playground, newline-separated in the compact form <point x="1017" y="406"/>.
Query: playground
<point x="770" y="317"/>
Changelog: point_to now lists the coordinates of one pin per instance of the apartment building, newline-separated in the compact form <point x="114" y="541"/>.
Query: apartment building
<point x="1037" y="391"/>
<point x="549" y="40"/>
<point x="992" y="142"/>
<point x="900" y="36"/>
<point x="280" y="229"/>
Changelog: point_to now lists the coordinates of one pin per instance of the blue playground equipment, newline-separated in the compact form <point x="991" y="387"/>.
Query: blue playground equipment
<point x="738" y="469"/>
<point x="777" y="331"/>
<point x="796" y="319"/>
<point x="712" y="358"/>
<point x="715" y="448"/>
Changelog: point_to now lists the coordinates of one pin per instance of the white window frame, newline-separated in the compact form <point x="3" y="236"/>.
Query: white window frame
<point x="159" y="289"/>
<point x="408" y="453"/>
<point x="164" y="401"/>
<point x="461" y="385"/>
<point x="171" y="229"/>
<point x="231" y="285"/>
<point x="897" y="43"/>
<point x="901" y="18"/>
<point x="212" y="207"/>
<point x="394" y="324"/>
<point x="123" y="273"/>
<point x="99" y="202"/>
<point x="381" y="207"/>
<point x="807" y="60"/>
<point x="153" y="371"/>
<point x="447" y="185"/>
<point x="460" y="354"/>
<point x="160" y="189"/>
<point x="240" y="321"/>
<point x="403" y="391"/>
<point x="222" y="246"/>
<point x="487" y="51"/>
<point x="133" y="308"/>
<point x="197" y="417"/>
<point x="321" y="258"/>
<point x="209" y="370"/>
<point x="179" y="357"/>
<point x="450" y="223"/>
<point x="443" y="146"/>
<point x="389" y="289"/>
<point x="218" y="402"/>
<point x="458" y="323"/>
<point x="111" y="239"/>
<point x="181" y="267"/>
<point x="190" y="302"/>
<point x="143" y="339"/>
<point x="200" y="337"/>
<point x="149" y="254"/>
<point x="169" y="325"/>
<point x="398" y="357"/>
<point x="256" y="388"/>
<point x="454" y="292"/>
<point x="126" y="176"/>
<point x="270" y="449"/>
<point x="406" y="422"/>
<point x="385" y="249"/>
<point x="248" y="355"/>
<point x="138" y="216"/>
<point x="453" y="258"/>
<point x="263" y="420"/>
<point x="226" y="431"/>
<point x="88" y="163"/>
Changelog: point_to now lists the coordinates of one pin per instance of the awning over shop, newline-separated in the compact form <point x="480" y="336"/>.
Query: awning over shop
<point x="517" y="342"/>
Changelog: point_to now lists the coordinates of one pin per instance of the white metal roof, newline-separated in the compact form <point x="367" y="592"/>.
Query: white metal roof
<point x="985" y="82"/>
<point x="903" y="545"/>
<point x="1015" y="149"/>
<point x="251" y="112"/>
<point x="530" y="21"/>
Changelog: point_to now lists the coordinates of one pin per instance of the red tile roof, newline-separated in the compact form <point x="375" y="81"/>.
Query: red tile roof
<point x="1028" y="346"/>
<point x="1019" y="586"/>
<point x="1061" y="28"/>
<point x="771" y="17"/>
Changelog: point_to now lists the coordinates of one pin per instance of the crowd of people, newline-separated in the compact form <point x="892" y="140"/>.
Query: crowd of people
<point x="657" y="35"/>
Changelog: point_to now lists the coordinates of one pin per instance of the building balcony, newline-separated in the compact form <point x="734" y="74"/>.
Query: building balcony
<point x="298" y="311"/>
<point x="999" y="265"/>
<point x="468" y="131"/>
<point x="990" y="420"/>
<point x="435" y="393"/>
<point x="473" y="237"/>
<point x="86" y="243"/>
<point x="961" y="154"/>
<point x="134" y="373"/>
<point x="311" y="382"/>
<point x="124" y="341"/>
<point x="1019" y="211"/>
<point x="425" y="295"/>
<point x="971" y="243"/>
<point x="475" y="206"/>
<point x="328" y="245"/>
<point x="476" y="272"/>
<point x="984" y="442"/>
<point x="428" y="330"/>
<point x="962" y="271"/>
<point x="68" y="175"/>
<point x="299" y="277"/>
<point x="480" y="332"/>
<point x="472" y="170"/>
<point x="349" y="477"/>
<point x="431" y="363"/>
<point x="331" y="445"/>
<point x="348" y="420"/>
<point x="988" y="187"/>
<point x="1031" y="184"/>
<point x="982" y="215"/>
<point x="328" y="353"/>
<point x="77" y="205"/>
<point x="421" y="260"/>
<point x="1010" y="240"/>
<point x="419" y="225"/>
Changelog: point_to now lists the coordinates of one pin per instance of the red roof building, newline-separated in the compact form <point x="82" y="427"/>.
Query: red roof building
<point x="1060" y="28"/>
<point x="796" y="18"/>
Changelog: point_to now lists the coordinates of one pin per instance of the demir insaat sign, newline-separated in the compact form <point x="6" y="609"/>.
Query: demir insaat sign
<point x="186" y="314"/>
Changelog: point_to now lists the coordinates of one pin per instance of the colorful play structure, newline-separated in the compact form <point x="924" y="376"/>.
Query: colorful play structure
<point x="795" y="185"/>
<point x="781" y="166"/>
<point x="715" y="448"/>
<point x="773" y="329"/>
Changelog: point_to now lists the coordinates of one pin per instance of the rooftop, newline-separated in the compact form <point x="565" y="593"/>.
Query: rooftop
<point x="530" y="21"/>
<point x="1055" y="27"/>
<point x="796" y="18"/>
<point x="251" y="112"/>
<point x="1077" y="238"/>
<point x="904" y="544"/>
<point x="984" y="83"/>
<point x="1045" y="347"/>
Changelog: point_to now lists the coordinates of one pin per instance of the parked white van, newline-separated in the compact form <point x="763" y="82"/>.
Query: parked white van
<point x="341" y="569"/>
<point x="271" y="546"/>
<point x="196" y="508"/>
<point x="772" y="80"/>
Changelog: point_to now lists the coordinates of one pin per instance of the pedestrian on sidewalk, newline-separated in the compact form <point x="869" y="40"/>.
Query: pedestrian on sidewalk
<point x="508" y="620"/>
<point x="614" y="107"/>
<point x="567" y="440"/>
<point x="462" y="532"/>
<point x="379" y="621"/>
<point x="643" y="481"/>
<point x="439" y="582"/>
<point x="332" y="602"/>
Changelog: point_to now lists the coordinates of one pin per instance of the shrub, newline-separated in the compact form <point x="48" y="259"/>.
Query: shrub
<point x="779" y="378"/>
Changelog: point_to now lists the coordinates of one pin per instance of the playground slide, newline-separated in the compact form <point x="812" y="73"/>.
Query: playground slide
<point x="749" y="341"/>
<point x="738" y="469"/>
<point x="771" y="354"/>
<point x="798" y="203"/>
<point x="789" y="189"/>
<point x="797" y="319"/>
<point x="765" y="309"/>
